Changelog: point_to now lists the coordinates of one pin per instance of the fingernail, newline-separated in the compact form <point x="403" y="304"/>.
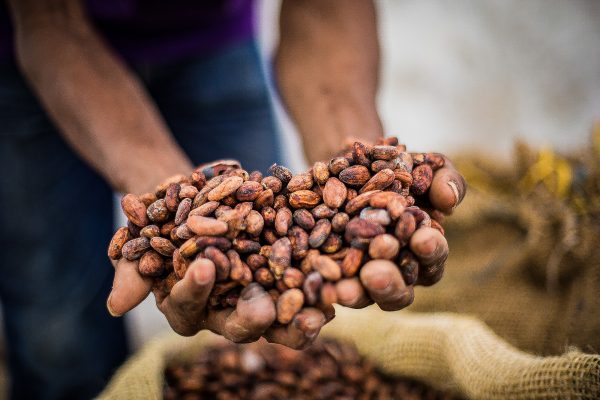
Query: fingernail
<point x="250" y="291"/>
<point x="454" y="188"/>
<point x="200" y="277"/>
<point x="109" y="307"/>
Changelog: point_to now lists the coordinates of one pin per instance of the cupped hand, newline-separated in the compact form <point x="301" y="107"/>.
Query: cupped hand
<point x="185" y="307"/>
<point x="380" y="281"/>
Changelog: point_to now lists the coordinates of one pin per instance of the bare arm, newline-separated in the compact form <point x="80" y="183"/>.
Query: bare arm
<point x="98" y="105"/>
<point x="327" y="70"/>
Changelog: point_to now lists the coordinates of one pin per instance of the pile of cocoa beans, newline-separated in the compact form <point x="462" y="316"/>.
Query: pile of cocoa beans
<point x="328" y="370"/>
<point x="296" y="235"/>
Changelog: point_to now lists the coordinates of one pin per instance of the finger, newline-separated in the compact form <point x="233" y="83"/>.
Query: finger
<point x="351" y="293"/>
<point x="299" y="333"/>
<point x="185" y="306"/>
<point x="448" y="189"/>
<point x="431" y="249"/>
<point x="253" y="314"/>
<point x="129" y="288"/>
<point x="384" y="283"/>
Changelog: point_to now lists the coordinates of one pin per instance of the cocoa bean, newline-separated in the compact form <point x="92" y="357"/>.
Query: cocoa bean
<point x="334" y="193"/>
<point x="304" y="199"/>
<point x="311" y="287"/>
<point x="289" y="304"/>
<point x="133" y="249"/>
<point x="281" y="256"/>
<point x="281" y="172"/>
<point x="245" y="246"/>
<point x="180" y="264"/>
<point x="269" y="214"/>
<point x="255" y="176"/>
<point x="362" y="228"/>
<point x="163" y="246"/>
<point x="384" y="247"/>
<point x="264" y="199"/>
<point x="320" y="172"/>
<point x="383" y="152"/>
<point x="183" y="210"/>
<point x="405" y="227"/>
<point x="332" y="244"/>
<point x="300" y="182"/>
<point x="227" y="187"/>
<point x="183" y="232"/>
<point x="134" y="210"/>
<point x="322" y="211"/>
<point x="283" y="221"/>
<point x="299" y="240"/>
<point x="319" y="233"/>
<point x="328" y="268"/>
<point x="256" y="261"/>
<point x="221" y="261"/>
<point x="205" y="209"/>
<point x="306" y="265"/>
<point x="304" y="219"/>
<point x="359" y="202"/>
<point x="254" y="223"/>
<point x="409" y="267"/>
<point x="376" y="215"/>
<point x="339" y="221"/>
<point x="280" y="202"/>
<point x="206" y="226"/>
<point x="337" y="165"/>
<point x="293" y="278"/>
<point x="356" y="175"/>
<point x="379" y="181"/>
<point x="188" y="192"/>
<point x="264" y="277"/>
<point x="158" y="211"/>
<point x="273" y="183"/>
<point x="249" y="191"/>
<point x="422" y="178"/>
<point x="147" y="198"/>
<point x="151" y="264"/>
<point x="172" y="196"/>
<point x="150" y="231"/>
<point x="352" y="262"/>
<point x="119" y="239"/>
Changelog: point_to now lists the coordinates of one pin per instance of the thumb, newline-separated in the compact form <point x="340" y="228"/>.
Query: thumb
<point x="129" y="288"/>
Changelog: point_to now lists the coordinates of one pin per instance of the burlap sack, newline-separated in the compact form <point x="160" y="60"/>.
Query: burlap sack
<point x="447" y="351"/>
<point x="525" y="254"/>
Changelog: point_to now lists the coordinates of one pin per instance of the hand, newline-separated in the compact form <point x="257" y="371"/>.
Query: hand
<point x="381" y="281"/>
<point x="185" y="307"/>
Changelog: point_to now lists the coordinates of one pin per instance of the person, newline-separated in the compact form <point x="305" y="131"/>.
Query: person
<point x="120" y="94"/>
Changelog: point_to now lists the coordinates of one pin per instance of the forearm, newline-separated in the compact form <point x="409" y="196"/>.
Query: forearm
<point x="97" y="104"/>
<point x="327" y="71"/>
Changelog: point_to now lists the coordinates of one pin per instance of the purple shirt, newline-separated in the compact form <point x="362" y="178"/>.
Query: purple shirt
<point x="153" y="31"/>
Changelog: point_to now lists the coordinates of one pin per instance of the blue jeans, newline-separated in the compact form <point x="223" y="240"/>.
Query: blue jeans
<point x="56" y="214"/>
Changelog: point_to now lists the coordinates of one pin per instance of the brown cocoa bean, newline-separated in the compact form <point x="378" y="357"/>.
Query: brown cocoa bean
<point x="304" y="219"/>
<point x="306" y="265"/>
<point x="166" y="228"/>
<point x="337" y="165"/>
<point x="300" y="182"/>
<point x="281" y="172"/>
<point x="351" y="194"/>
<point x="227" y="187"/>
<point x="205" y="209"/>
<point x="221" y="261"/>
<point x="147" y="198"/>
<point x="183" y="210"/>
<point x="319" y="233"/>
<point x="134" y="210"/>
<point x="269" y="214"/>
<point x="206" y="226"/>
<point x="163" y="246"/>
<point x="328" y="268"/>
<point x="283" y="221"/>
<point x="151" y="264"/>
<point x="224" y="287"/>
<point x="172" y="196"/>
<point x="404" y="177"/>
<point x="396" y="207"/>
<point x="264" y="277"/>
<point x="134" y="230"/>
<point x="133" y="249"/>
<point x="269" y="235"/>
<point x="383" y="152"/>
<point x="273" y="183"/>
<point x="183" y="232"/>
<point x="299" y="240"/>
<point x="405" y="227"/>
<point x="332" y="244"/>
<point x="377" y="215"/>
<point x="150" y="231"/>
<point x="198" y="179"/>
<point x="304" y="199"/>
<point x="256" y="261"/>
<point x="422" y="219"/>
<point x="384" y="247"/>
<point x="289" y="304"/>
<point x="320" y="172"/>
<point x="246" y="246"/>
<point x="334" y="193"/>
<point x="311" y="287"/>
<point x="328" y="294"/>
<point x="359" y="202"/>
<point x="359" y="154"/>
<point x="188" y="192"/>
<point x="119" y="239"/>
<point x="189" y="247"/>
<point x="293" y="278"/>
<point x="236" y="272"/>
<point x="379" y="181"/>
<point x="422" y="178"/>
<point x="352" y="262"/>
<point x="254" y="223"/>
<point x="280" y="202"/>
<point x="339" y="221"/>
<point x="255" y="176"/>
<point x="322" y="211"/>
<point x="379" y="165"/>
<point x="281" y="256"/>
<point x="356" y="175"/>
<point x="381" y="199"/>
<point x="409" y="267"/>
<point x="158" y="211"/>
<point x="264" y="199"/>
<point x="249" y="191"/>
<point x="180" y="264"/>
<point x="362" y="228"/>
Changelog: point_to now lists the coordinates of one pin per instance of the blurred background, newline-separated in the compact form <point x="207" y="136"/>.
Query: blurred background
<point x="464" y="76"/>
